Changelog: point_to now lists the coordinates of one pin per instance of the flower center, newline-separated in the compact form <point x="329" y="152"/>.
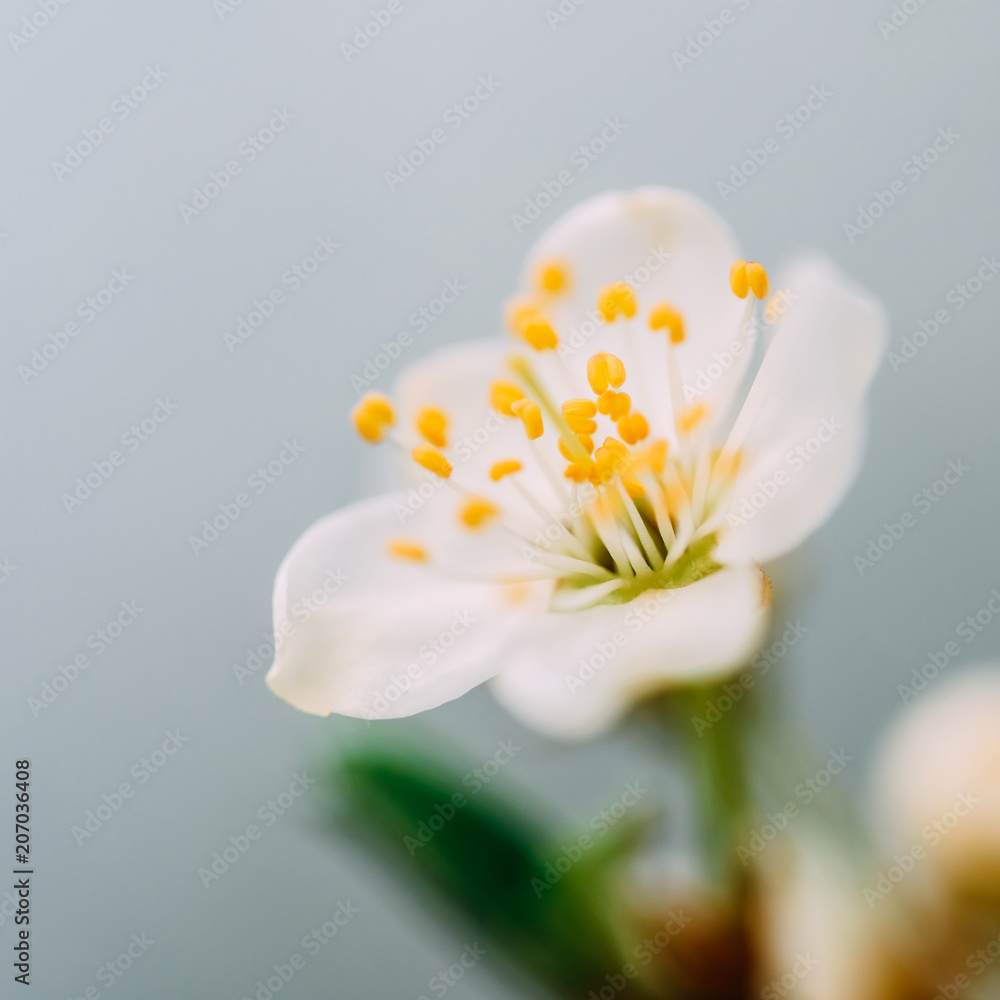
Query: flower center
<point x="640" y="510"/>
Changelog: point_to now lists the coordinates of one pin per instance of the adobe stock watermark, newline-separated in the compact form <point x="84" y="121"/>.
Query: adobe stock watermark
<point x="968" y="630"/>
<point x="421" y="320"/>
<point x="958" y="297"/>
<point x="226" y="7"/>
<point x="299" y="613"/>
<point x="931" y="835"/>
<point x="580" y="160"/>
<point x="978" y="962"/>
<point x="787" y="985"/>
<point x="912" y="169"/>
<point x="97" y="642"/>
<point x="922" y="502"/>
<point x="602" y="824"/>
<point x="293" y="278"/>
<point x="446" y="979"/>
<point x="131" y="441"/>
<point x="561" y="13"/>
<point x="437" y="646"/>
<point x="121" y="110"/>
<point x="796" y="459"/>
<point x="111" y="972"/>
<point x="642" y="610"/>
<point x="246" y="153"/>
<point x="31" y="26"/>
<point x="475" y="781"/>
<point x="455" y="116"/>
<point x="312" y="943"/>
<point x="898" y="17"/>
<point x="644" y="953"/>
<point x="804" y="794"/>
<point x="760" y="666"/>
<point x="367" y="32"/>
<point x="712" y="28"/>
<point x="111" y="804"/>
<point x="268" y="814"/>
<point x="787" y="128"/>
<point x="7" y="570"/>
<point x="88" y="309"/>
<point x="258" y="482"/>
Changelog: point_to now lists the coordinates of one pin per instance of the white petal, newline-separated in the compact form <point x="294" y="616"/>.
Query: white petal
<point x="672" y="248"/>
<point x="807" y="433"/>
<point x="573" y="675"/>
<point x="370" y="636"/>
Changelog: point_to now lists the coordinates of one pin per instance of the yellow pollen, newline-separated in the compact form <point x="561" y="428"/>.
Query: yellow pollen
<point x="757" y="278"/>
<point x="665" y="317"/>
<point x="476" y="511"/>
<point x="503" y="395"/>
<point x="620" y="407"/>
<point x="691" y="417"/>
<point x="766" y="589"/>
<point x="504" y="467"/>
<point x="432" y="460"/>
<point x="433" y="425"/>
<point x="617" y="299"/>
<point x="579" y="472"/>
<point x="604" y="370"/>
<point x="552" y="277"/>
<point x="611" y="458"/>
<point x="738" y="280"/>
<point x="407" y="548"/>
<point x="531" y="417"/>
<point x="519" y="312"/>
<point x="633" y="428"/>
<point x="585" y="439"/>
<point x="573" y="408"/>
<point x="372" y="416"/>
<point x="538" y="332"/>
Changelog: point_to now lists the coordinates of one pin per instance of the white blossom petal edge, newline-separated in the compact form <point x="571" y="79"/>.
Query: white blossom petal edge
<point x="589" y="502"/>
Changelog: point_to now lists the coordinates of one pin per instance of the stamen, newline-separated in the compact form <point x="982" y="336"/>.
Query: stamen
<point x="505" y="467"/>
<point x="538" y="332"/>
<point x="553" y="277"/>
<point x="645" y="538"/>
<point x="665" y="317"/>
<point x="691" y="417"/>
<point x="433" y="425"/>
<point x="503" y="395"/>
<point x="522" y="368"/>
<point x="633" y="428"/>
<point x="373" y="416"/>
<point x="408" y="549"/>
<point x="757" y="278"/>
<point x="617" y="299"/>
<point x="585" y="439"/>
<point x="432" y="460"/>
<point x="477" y="511"/>
<point x="604" y="370"/>
<point x="607" y="530"/>
<point x="531" y="417"/>
<point x="739" y="282"/>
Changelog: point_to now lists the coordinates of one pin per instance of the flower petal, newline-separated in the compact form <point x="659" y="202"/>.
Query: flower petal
<point x="574" y="675"/>
<point x="671" y="247"/>
<point x="362" y="634"/>
<point x="804" y="417"/>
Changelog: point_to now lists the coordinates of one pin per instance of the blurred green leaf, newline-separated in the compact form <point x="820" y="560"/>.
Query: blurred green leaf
<point x="494" y="865"/>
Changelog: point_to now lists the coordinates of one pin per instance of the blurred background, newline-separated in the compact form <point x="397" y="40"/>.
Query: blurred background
<point x="166" y="168"/>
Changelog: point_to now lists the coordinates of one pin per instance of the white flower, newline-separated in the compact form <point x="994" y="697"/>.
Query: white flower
<point x="581" y="575"/>
<point x="936" y="792"/>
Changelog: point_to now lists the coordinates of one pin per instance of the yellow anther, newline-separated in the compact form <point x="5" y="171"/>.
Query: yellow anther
<point x="633" y="428"/>
<point x="432" y="460"/>
<point x="610" y="459"/>
<point x="476" y="511"/>
<point x="552" y="277"/>
<point x="573" y="408"/>
<point x="665" y="317"/>
<point x="581" y="425"/>
<point x="657" y="454"/>
<point x="372" y="416"/>
<point x="503" y="395"/>
<point x="617" y="299"/>
<point x="504" y="467"/>
<point x="738" y="280"/>
<point x="538" y="332"/>
<point x="579" y="472"/>
<point x="433" y="425"/>
<point x="604" y="370"/>
<point x="691" y="417"/>
<point x="585" y="439"/>
<point x="620" y="407"/>
<point x="531" y="417"/>
<point x="633" y="487"/>
<point x="757" y="278"/>
<point x="407" y="548"/>
<point x="518" y="313"/>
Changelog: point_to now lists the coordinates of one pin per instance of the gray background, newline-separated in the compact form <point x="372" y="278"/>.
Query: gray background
<point x="173" y="668"/>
